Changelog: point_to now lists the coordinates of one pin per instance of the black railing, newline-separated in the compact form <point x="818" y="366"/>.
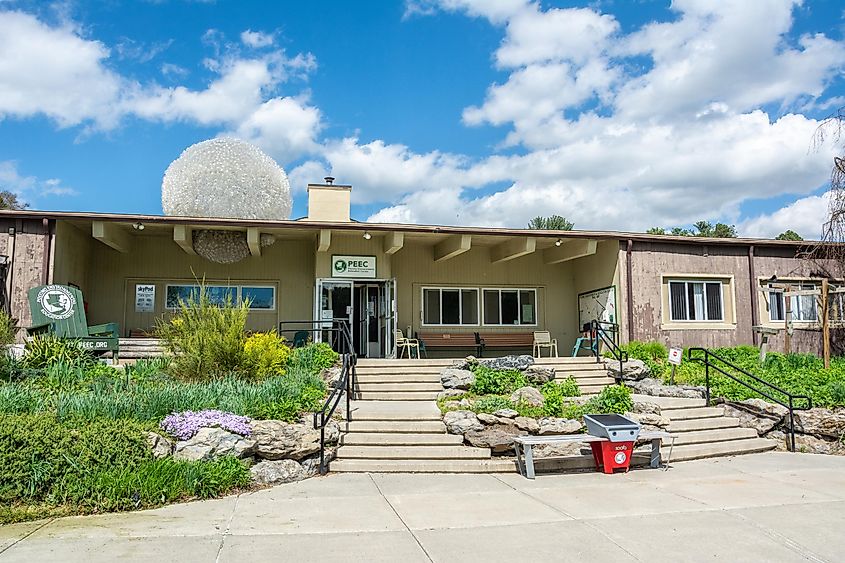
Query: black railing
<point x="330" y="332"/>
<point x="603" y="332"/>
<point x="341" y="337"/>
<point x="786" y="399"/>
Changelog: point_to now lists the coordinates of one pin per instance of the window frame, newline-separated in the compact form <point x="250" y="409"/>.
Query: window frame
<point x="802" y="285"/>
<point x="704" y="281"/>
<point x="238" y="287"/>
<point x="519" y="309"/>
<point x="460" y="290"/>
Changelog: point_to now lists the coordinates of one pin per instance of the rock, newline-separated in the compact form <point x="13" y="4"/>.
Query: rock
<point x="446" y="393"/>
<point x="461" y="422"/>
<point x="645" y="407"/>
<point x="537" y="375"/>
<point x="528" y="424"/>
<point x="521" y="363"/>
<point x="756" y="413"/>
<point x="812" y="445"/>
<point x="311" y="464"/>
<point x="650" y="421"/>
<point x="210" y="443"/>
<point x="487" y="418"/>
<point x="561" y="449"/>
<point x="160" y="446"/>
<point x="506" y="413"/>
<point x="551" y="425"/>
<point x="821" y="422"/>
<point x="498" y="438"/>
<point x="452" y="405"/>
<point x="276" y="439"/>
<point x="650" y="386"/>
<point x="277" y="472"/>
<point x="332" y="376"/>
<point x="465" y="403"/>
<point x="632" y="370"/>
<point x="528" y="396"/>
<point x="779" y="437"/>
<point x="452" y="378"/>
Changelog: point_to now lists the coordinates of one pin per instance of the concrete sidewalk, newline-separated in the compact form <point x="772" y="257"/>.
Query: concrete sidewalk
<point x="764" y="507"/>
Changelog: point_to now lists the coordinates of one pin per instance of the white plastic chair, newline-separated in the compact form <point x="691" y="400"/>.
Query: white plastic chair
<point x="543" y="339"/>
<point x="406" y="345"/>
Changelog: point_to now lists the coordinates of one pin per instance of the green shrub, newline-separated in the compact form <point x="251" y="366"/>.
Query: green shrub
<point x="492" y="403"/>
<point x="554" y="394"/>
<point x="266" y="354"/>
<point x="313" y="357"/>
<point x="206" y="339"/>
<point x="46" y="349"/>
<point x="613" y="399"/>
<point x="653" y="354"/>
<point x="8" y="329"/>
<point x="490" y="381"/>
<point x="148" y="370"/>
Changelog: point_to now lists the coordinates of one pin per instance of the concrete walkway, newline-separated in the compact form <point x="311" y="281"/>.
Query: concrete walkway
<point x="762" y="507"/>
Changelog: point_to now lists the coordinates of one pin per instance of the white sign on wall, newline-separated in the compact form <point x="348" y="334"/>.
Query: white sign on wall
<point x="599" y="304"/>
<point x="353" y="266"/>
<point x="145" y="298"/>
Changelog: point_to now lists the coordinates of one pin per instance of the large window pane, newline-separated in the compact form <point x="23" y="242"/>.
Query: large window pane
<point x="180" y="293"/>
<point x="259" y="297"/>
<point x="714" y="301"/>
<point x="527" y="307"/>
<point x="695" y="291"/>
<point x="450" y="306"/>
<point x="491" y="307"/>
<point x="510" y="308"/>
<point x="677" y="301"/>
<point x="776" y="312"/>
<point x="469" y="306"/>
<point x="221" y="295"/>
<point x="431" y="306"/>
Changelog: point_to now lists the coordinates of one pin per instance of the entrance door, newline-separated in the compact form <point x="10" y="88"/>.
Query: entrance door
<point x="369" y="321"/>
<point x="335" y="303"/>
<point x="390" y="320"/>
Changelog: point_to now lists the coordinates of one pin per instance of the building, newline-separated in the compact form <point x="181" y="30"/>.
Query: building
<point x="682" y="291"/>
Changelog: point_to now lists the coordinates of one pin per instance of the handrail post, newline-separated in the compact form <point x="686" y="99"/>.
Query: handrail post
<point x="791" y="426"/>
<point x="594" y="338"/>
<point x="323" y="447"/>
<point x="706" y="377"/>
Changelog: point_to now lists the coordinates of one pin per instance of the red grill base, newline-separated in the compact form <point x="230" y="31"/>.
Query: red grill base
<point x="611" y="456"/>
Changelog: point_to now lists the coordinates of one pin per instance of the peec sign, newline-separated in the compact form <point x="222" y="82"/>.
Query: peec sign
<point x="353" y="266"/>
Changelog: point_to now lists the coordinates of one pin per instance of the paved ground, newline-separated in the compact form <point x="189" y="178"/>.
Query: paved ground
<point x="764" y="507"/>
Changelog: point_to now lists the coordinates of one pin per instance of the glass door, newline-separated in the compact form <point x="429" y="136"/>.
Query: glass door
<point x="390" y="318"/>
<point x="334" y="302"/>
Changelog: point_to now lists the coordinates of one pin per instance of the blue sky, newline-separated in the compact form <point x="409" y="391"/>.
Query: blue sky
<point x="617" y="115"/>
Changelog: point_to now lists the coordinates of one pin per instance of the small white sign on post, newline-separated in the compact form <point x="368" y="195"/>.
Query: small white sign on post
<point x="145" y="298"/>
<point x="675" y="355"/>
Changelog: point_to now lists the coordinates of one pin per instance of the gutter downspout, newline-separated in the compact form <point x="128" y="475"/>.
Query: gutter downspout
<point x="754" y="297"/>
<point x="45" y="254"/>
<point x="629" y="289"/>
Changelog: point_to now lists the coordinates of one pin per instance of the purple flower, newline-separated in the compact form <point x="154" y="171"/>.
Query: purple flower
<point x="185" y="425"/>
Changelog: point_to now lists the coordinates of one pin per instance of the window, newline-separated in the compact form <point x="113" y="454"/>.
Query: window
<point x="260" y="297"/>
<point x="802" y="307"/>
<point x="450" y="306"/>
<point x="696" y="300"/>
<point x="510" y="306"/>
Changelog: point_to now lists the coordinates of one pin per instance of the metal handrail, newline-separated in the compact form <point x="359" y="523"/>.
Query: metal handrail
<point x="789" y="403"/>
<point x="599" y="335"/>
<point x="346" y="384"/>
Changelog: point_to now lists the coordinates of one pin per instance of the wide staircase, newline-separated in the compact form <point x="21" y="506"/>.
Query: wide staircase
<point x="397" y="427"/>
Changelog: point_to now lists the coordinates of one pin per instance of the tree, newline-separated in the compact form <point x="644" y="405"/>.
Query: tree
<point x="9" y="200"/>
<point x="789" y="234"/>
<point x="703" y="229"/>
<point x="656" y="231"/>
<point x="551" y="223"/>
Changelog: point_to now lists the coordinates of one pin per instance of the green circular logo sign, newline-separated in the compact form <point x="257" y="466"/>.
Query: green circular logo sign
<point x="340" y="266"/>
<point x="56" y="302"/>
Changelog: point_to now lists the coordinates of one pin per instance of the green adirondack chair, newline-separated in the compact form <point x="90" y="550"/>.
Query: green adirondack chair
<point x="59" y="310"/>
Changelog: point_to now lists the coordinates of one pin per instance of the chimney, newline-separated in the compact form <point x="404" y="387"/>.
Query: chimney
<point x="329" y="202"/>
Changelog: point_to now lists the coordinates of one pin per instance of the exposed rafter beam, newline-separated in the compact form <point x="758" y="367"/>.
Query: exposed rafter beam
<point x="451" y="247"/>
<point x="569" y="250"/>
<point x="253" y="241"/>
<point x="183" y="235"/>
<point x="511" y="249"/>
<point x="393" y="242"/>
<point x="324" y="240"/>
<point x="111" y="235"/>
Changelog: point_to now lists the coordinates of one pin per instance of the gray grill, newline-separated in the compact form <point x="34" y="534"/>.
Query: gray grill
<point x="614" y="427"/>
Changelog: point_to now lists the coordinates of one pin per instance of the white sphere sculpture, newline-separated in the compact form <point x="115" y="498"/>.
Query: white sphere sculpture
<point x="225" y="177"/>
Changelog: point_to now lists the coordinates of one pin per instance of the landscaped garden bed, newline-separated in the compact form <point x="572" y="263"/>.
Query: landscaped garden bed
<point x="226" y="411"/>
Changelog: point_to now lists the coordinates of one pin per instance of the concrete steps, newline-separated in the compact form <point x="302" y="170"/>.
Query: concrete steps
<point x="716" y="435"/>
<point x="702" y="424"/>
<point x="416" y="427"/>
<point x="720" y="449"/>
<point x="423" y="466"/>
<point x="413" y="452"/>
<point x="400" y="439"/>
<point x="693" y="413"/>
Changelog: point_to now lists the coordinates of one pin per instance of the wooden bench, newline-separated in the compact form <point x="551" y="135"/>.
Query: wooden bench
<point x="505" y="340"/>
<point x="449" y="340"/>
<point x="524" y="444"/>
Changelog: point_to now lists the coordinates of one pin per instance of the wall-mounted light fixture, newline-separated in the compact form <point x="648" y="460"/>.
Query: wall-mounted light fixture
<point x="138" y="226"/>
<point x="558" y="242"/>
<point x="367" y="235"/>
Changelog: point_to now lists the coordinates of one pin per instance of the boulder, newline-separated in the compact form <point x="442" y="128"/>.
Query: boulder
<point x="521" y="363"/>
<point x="311" y="464"/>
<point x="160" y="446"/>
<point x="653" y="387"/>
<point x="276" y="472"/>
<point x="452" y="405"/>
<point x="488" y="419"/>
<point x="528" y="424"/>
<point x="461" y="422"/>
<point x="528" y="396"/>
<point x="210" y="443"/>
<point x="276" y="439"/>
<point x="561" y="449"/>
<point x="498" y="438"/>
<point x="537" y="375"/>
<point x="506" y="413"/>
<point x="453" y="378"/>
<point x="821" y="422"/>
<point x="650" y="421"/>
<point x="552" y="425"/>
<point x="812" y="445"/>
<point x="632" y="370"/>
<point x="332" y="376"/>
<point x="448" y="393"/>
<point x="646" y="407"/>
<point x="756" y="413"/>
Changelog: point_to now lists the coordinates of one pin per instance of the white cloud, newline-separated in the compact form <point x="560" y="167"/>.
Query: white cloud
<point x="257" y="39"/>
<point x="805" y="216"/>
<point x="30" y="189"/>
<point x="284" y="127"/>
